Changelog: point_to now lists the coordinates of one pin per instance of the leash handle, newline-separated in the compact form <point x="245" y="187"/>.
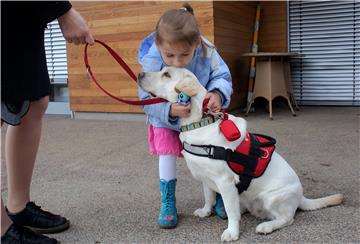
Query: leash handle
<point x="271" y="141"/>
<point x="127" y="70"/>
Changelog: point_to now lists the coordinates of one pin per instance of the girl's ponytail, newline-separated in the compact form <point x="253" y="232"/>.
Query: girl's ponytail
<point x="187" y="7"/>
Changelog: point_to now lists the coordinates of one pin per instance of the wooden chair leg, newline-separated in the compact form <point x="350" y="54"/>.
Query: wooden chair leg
<point x="289" y="87"/>
<point x="293" y="101"/>
<point x="291" y="108"/>
<point x="248" y="108"/>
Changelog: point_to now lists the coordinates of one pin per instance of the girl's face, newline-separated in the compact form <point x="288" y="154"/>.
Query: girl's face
<point x="177" y="54"/>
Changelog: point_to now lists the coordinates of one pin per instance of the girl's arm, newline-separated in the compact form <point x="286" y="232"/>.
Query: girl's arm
<point x="220" y="78"/>
<point x="159" y="110"/>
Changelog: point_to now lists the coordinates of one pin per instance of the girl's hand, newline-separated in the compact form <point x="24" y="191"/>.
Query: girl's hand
<point x="215" y="101"/>
<point x="178" y="110"/>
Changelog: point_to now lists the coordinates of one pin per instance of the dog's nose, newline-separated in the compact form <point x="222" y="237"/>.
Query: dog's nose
<point x="141" y="76"/>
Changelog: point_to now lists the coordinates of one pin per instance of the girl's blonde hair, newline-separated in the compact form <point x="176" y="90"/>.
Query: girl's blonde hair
<point x="178" y="26"/>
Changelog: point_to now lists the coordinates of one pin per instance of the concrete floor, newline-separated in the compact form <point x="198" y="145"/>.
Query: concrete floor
<point x="99" y="175"/>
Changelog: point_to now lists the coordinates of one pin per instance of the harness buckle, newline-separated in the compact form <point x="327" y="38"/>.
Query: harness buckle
<point x="221" y="153"/>
<point x="211" y="153"/>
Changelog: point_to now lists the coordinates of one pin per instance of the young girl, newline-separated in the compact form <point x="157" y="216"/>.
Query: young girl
<point x="177" y="42"/>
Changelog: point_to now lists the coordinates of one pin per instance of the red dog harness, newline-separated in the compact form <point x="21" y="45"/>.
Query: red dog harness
<point x="250" y="145"/>
<point x="250" y="158"/>
<point x="254" y="155"/>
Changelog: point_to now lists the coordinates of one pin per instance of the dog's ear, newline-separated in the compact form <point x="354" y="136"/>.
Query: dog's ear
<point x="188" y="85"/>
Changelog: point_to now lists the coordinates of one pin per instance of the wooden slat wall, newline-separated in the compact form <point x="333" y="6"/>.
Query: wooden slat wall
<point x="233" y="24"/>
<point x="122" y="25"/>
<point x="273" y="27"/>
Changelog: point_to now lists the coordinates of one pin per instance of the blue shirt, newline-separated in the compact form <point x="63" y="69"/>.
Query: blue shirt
<point x="210" y="69"/>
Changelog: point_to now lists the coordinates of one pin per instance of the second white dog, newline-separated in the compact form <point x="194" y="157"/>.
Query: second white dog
<point x="275" y="196"/>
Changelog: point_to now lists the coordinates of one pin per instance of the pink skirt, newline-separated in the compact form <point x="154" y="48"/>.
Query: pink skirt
<point x="164" y="141"/>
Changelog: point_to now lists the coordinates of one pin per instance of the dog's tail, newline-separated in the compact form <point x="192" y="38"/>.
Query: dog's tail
<point x="312" y="204"/>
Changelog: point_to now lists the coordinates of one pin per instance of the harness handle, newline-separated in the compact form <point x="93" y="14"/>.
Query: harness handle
<point x="127" y="70"/>
<point x="271" y="141"/>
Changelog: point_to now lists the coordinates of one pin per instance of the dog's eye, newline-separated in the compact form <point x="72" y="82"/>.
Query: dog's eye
<point x="166" y="74"/>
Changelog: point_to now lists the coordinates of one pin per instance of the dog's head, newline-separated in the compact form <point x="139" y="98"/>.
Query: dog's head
<point x="169" y="82"/>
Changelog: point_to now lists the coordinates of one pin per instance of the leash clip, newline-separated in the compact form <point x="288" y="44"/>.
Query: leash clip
<point x="88" y="73"/>
<point x="216" y="115"/>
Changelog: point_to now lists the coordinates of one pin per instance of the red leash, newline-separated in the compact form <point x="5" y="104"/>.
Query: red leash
<point x="127" y="69"/>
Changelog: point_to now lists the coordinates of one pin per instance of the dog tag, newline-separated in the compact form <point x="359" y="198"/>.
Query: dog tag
<point x="183" y="99"/>
<point x="229" y="130"/>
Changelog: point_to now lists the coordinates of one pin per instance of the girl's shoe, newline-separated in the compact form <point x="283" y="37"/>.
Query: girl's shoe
<point x="168" y="213"/>
<point x="219" y="208"/>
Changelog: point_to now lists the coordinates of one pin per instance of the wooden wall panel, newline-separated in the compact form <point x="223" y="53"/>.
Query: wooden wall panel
<point x="122" y="25"/>
<point x="273" y="27"/>
<point x="234" y="23"/>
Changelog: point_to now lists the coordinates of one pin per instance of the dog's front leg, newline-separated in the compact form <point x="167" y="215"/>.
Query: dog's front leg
<point x="231" y="200"/>
<point x="209" y="200"/>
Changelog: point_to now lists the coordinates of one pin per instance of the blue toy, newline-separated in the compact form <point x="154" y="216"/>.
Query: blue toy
<point x="183" y="99"/>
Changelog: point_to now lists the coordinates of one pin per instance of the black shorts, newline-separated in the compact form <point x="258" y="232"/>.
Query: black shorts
<point x="11" y="113"/>
<point x="24" y="74"/>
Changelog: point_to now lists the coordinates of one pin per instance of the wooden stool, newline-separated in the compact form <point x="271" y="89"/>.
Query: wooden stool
<point x="272" y="79"/>
<point x="289" y="86"/>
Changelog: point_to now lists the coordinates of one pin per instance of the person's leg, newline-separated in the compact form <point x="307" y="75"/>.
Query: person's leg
<point x="167" y="167"/>
<point x="24" y="138"/>
<point x="167" y="173"/>
<point x="21" y="146"/>
<point x="219" y="208"/>
<point x="5" y="220"/>
<point x="10" y="232"/>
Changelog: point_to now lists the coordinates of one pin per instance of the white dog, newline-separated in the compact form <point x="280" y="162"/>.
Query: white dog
<point x="275" y="195"/>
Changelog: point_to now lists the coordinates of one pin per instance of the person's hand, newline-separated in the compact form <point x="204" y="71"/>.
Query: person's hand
<point x="178" y="110"/>
<point x="215" y="101"/>
<point x="74" y="28"/>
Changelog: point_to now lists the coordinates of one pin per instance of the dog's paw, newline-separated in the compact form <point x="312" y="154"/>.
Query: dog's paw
<point x="201" y="212"/>
<point x="264" y="228"/>
<point x="229" y="235"/>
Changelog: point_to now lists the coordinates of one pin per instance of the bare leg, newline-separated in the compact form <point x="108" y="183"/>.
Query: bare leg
<point x="209" y="201"/>
<point x="5" y="220"/>
<point x="24" y="138"/>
